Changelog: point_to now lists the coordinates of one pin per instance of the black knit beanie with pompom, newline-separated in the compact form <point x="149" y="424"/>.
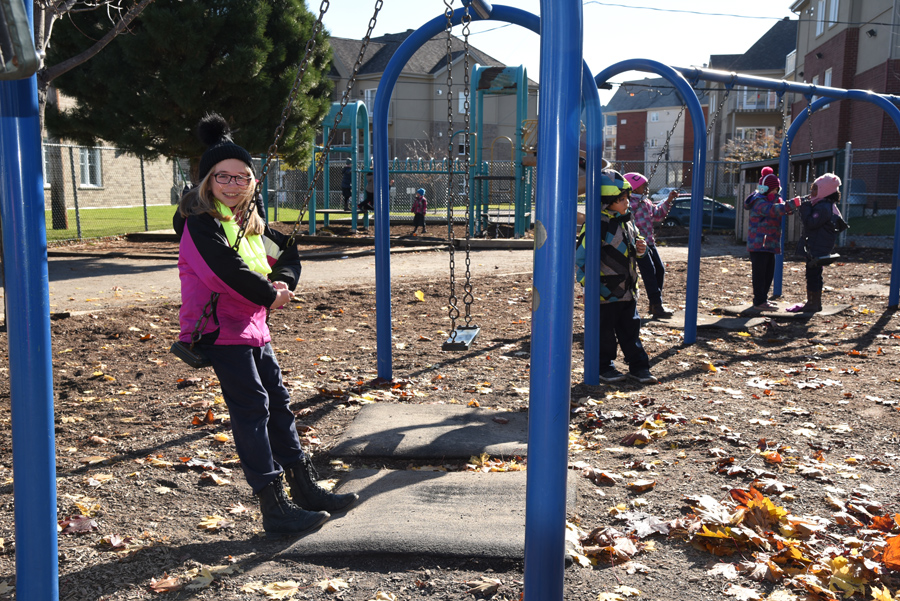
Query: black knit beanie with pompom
<point x="214" y="132"/>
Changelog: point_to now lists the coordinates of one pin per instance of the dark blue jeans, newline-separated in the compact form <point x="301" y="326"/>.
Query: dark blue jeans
<point x="262" y="422"/>
<point x="619" y="322"/>
<point x="762" y="265"/>
<point x="653" y="273"/>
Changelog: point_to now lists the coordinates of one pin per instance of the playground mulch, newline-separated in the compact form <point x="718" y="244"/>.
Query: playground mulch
<point x="152" y="503"/>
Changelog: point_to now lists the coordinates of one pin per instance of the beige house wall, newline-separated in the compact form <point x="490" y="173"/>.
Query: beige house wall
<point x="418" y="115"/>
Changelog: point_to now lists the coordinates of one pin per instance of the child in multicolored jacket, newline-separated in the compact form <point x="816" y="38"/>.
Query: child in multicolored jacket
<point x="620" y="247"/>
<point x="646" y="215"/>
<point x="767" y="210"/>
<point x="419" y="207"/>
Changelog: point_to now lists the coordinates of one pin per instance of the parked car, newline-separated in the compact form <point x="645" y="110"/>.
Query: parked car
<point x="716" y="215"/>
<point x="662" y="194"/>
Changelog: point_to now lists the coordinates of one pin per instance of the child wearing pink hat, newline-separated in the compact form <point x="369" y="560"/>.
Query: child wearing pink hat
<point x="822" y="222"/>
<point x="646" y="215"/>
<point x="767" y="211"/>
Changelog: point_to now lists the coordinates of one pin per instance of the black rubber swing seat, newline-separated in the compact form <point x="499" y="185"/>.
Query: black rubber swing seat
<point x="192" y="356"/>
<point x="461" y="339"/>
<point x="825" y="259"/>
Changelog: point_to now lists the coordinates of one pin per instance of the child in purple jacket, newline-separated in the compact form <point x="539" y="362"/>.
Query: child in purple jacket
<point x="764" y="235"/>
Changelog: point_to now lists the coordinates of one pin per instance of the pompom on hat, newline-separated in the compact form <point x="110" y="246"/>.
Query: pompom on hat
<point x="765" y="171"/>
<point x="215" y="133"/>
<point x="826" y="185"/>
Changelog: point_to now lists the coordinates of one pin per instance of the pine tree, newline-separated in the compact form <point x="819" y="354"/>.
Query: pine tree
<point x="183" y="58"/>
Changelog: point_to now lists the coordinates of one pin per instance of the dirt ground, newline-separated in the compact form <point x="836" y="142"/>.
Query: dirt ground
<point x="152" y="502"/>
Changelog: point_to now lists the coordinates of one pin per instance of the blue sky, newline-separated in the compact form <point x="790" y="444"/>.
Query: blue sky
<point x="652" y="29"/>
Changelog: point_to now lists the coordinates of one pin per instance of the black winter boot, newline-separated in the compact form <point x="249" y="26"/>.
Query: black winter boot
<point x="306" y="492"/>
<point x="281" y="516"/>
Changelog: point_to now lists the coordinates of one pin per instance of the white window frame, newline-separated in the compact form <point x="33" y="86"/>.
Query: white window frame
<point x="833" y="13"/>
<point x="623" y="121"/>
<point x="826" y="82"/>
<point x="44" y="165"/>
<point x="654" y="116"/>
<point x="740" y="133"/>
<point x="461" y="109"/>
<point x="820" y="17"/>
<point x="654" y="142"/>
<point x="90" y="167"/>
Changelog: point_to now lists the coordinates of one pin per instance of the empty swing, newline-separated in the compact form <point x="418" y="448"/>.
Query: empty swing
<point x="191" y="353"/>
<point x="462" y="337"/>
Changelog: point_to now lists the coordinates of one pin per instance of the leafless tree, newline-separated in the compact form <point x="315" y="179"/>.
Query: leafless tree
<point x="47" y="13"/>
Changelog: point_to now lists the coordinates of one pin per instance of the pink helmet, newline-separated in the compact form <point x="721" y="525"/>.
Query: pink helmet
<point x="636" y="180"/>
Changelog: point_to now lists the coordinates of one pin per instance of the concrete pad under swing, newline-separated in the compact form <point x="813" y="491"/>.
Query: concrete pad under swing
<point x="433" y="432"/>
<point x="706" y="321"/>
<point x="444" y="514"/>
<point x="781" y="312"/>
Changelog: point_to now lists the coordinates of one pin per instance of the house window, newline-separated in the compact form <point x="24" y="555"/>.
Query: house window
<point x="623" y="121"/>
<point x="45" y="165"/>
<point x="622" y="147"/>
<point x="91" y="176"/>
<point x="833" y="13"/>
<point x="820" y="17"/>
<point x="654" y="142"/>
<point x="754" y="133"/>
<point x="815" y="82"/>
<point x="826" y="82"/>
<point x="462" y="103"/>
<point x="654" y="117"/>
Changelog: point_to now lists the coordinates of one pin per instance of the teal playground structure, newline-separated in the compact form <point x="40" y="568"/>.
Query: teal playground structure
<point x="357" y="124"/>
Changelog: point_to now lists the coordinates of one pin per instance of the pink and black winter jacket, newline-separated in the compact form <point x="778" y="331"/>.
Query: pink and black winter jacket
<point x="207" y="264"/>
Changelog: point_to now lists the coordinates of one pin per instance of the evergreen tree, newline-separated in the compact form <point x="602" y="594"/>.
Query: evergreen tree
<point x="183" y="58"/>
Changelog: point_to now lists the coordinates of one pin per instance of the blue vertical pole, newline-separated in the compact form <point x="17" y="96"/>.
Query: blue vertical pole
<point x="30" y="368"/>
<point x="594" y="123"/>
<point x="553" y="298"/>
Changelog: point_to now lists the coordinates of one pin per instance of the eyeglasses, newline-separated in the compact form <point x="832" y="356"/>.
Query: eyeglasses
<point x="239" y="180"/>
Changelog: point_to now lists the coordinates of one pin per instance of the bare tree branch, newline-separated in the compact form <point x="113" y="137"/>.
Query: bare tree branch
<point x="48" y="74"/>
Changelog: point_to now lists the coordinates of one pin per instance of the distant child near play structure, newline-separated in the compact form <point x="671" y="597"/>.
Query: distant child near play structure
<point x="347" y="183"/>
<point x="620" y="247"/>
<point x="419" y="207"/>
<point x="646" y="215"/>
<point x="226" y="296"/>
<point x="822" y="222"/>
<point x="764" y="235"/>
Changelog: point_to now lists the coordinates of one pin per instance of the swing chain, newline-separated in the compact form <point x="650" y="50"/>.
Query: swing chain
<point x="286" y="111"/>
<point x="345" y="98"/>
<point x="468" y="297"/>
<point x="204" y="318"/>
<point x="712" y="120"/>
<point x="665" y="147"/>
<point x="452" y="300"/>
<point x="715" y="116"/>
<point x="809" y="115"/>
<point x="279" y="131"/>
<point x="784" y="126"/>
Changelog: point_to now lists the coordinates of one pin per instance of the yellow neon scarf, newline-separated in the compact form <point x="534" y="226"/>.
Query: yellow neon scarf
<point x="252" y="249"/>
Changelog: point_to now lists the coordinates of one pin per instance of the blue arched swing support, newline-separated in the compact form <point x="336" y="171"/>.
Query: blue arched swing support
<point x="564" y="78"/>
<point x="826" y="95"/>
<point x="695" y="230"/>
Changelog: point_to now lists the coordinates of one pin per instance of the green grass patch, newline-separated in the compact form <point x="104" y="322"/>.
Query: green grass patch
<point x="872" y="226"/>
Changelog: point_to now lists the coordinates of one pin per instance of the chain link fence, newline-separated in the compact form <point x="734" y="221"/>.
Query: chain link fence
<point x="720" y="179"/>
